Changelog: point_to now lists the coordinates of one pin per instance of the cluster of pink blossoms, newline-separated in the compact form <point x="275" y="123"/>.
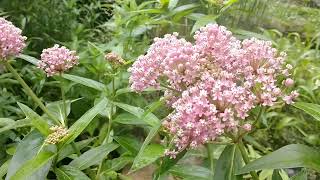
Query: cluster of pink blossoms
<point x="11" y="40"/>
<point x="57" y="59"/>
<point x="213" y="83"/>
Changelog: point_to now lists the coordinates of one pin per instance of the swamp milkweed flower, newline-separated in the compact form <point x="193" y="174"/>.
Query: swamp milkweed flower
<point x="57" y="59"/>
<point x="11" y="40"/>
<point x="213" y="83"/>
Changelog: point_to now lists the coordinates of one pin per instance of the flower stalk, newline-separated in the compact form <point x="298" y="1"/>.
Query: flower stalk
<point x="29" y="92"/>
<point x="246" y="158"/>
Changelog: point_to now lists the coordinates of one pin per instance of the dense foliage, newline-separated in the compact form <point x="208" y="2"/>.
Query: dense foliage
<point x="99" y="91"/>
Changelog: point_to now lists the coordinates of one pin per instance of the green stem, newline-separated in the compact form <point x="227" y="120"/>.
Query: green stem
<point x="210" y="157"/>
<point x="258" y="117"/>
<point x="64" y="122"/>
<point x="29" y="91"/>
<point x="246" y="158"/>
<point x="109" y="127"/>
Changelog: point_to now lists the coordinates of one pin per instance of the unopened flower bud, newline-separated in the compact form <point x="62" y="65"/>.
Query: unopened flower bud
<point x="114" y="58"/>
<point x="58" y="132"/>
<point x="247" y="127"/>
<point x="288" y="82"/>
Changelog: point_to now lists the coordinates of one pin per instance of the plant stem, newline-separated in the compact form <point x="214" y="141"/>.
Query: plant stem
<point x="109" y="126"/>
<point x="246" y="158"/>
<point x="29" y="91"/>
<point x="65" y="121"/>
<point x="258" y="117"/>
<point x="210" y="157"/>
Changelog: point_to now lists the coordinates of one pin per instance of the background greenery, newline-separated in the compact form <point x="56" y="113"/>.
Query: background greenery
<point x="127" y="27"/>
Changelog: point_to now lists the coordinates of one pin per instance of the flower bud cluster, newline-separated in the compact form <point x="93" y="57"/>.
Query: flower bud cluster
<point x="58" y="132"/>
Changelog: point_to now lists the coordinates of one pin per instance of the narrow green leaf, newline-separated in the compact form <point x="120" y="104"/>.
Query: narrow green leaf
<point x="129" y="143"/>
<point x="76" y="129"/>
<point x="85" y="81"/>
<point x="33" y="165"/>
<point x="4" y="169"/>
<point x="183" y="8"/>
<point x="25" y="151"/>
<point x="291" y="156"/>
<point x="202" y="21"/>
<point x="312" y="109"/>
<point x="70" y="173"/>
<point x="119" y="163"/>
<point x="36" y="120"/>
<point x="127" y="118"/>
<point x="191" y="171"/>
<point x="56" y="108"/>
<point x="302" y="175"/>
<point x="6" y="121"/>
<point x="227" y="164"/>
<point x="167" y="163"/>
<point x="150" y="154"/>
<point x="68" y="149"/>
<point x="172" y="4"/>
<point x="29" y="59"/>
<point x="152" y="133"/>
<point x="16" y="124"/>
<point x="94" y="156"/>
<point x="150" y="118"/>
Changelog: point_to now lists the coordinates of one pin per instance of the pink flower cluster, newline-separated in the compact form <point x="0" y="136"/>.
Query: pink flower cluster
<point x="213" y="83"/>
<point x="11" y="40"/>
<point x="57" y="59"/>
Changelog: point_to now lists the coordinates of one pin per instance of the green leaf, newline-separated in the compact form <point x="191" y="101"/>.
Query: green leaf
<point x="56" y="108"/>
<point x="183" y="8"/>
<point x="85" y="81"/>
<point x="4" y="169"/>
<point x="150" y="154"/>
<point x="302" y="175"/>
<point x="29" y="59"/>
<point x="16" y="124"/>
<point x="228" y="163"/>
<point x="28" y="168"/>
<point x="119" y="163"/>
<point x="129" y="143"/>
<point x="68" y="149"/>
<point x="25" y="151"/>
<point x="191" y="171"/>
<point x="172" y="4"/>
<point x="94" y="156"/>
<point x="276" y="175"/>
<point x="202" y="21"/>
<point x="127" y="118"/>
<point x="167" y="163"/>
<point x="291" y="156"/>
<point x="36" y="120"/>
<point x="148" y="139"/>
<point x="70" y="173"/>
<point x="76" y="129"/>
<point x="150" y="118"/>
<point x="312" y="109"/>
<point x="6" y="121"/>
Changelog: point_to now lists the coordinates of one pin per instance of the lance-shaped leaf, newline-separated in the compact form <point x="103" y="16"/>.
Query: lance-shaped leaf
<point x="291" y="156"/>
<point x="312" y="109"/>
<point x="76" y="129"/>
<point x="85" y="81"/>
<point x="228" y="163"/>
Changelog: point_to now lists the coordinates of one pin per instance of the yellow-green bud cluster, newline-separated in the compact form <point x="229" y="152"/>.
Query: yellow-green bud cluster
<point x="58" y="132"/>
